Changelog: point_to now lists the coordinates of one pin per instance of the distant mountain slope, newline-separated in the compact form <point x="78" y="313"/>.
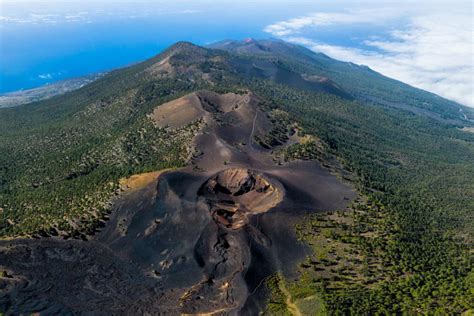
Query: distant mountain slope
<point x="360" y="81"/>
<point x="408" y="152"/>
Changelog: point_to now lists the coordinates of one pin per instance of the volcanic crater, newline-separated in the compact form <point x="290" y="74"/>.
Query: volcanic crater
<point x="234" y="194"/>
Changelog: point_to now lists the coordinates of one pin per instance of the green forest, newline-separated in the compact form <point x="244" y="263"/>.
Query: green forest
<point x="418" y="173"/>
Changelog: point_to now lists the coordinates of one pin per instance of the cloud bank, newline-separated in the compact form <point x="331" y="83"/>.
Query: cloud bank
<point x="432" y="52"/>
<point x="35" y="16"/>
<point x="295" y="25"/>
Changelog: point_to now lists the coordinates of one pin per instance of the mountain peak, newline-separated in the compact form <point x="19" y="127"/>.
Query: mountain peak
<point x="255" y="46"/>
<point x="182" y="50"/>
<point x="183" y="46"/>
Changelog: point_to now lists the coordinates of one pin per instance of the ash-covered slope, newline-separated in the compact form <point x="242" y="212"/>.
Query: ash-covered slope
<point x="198" y="240"/>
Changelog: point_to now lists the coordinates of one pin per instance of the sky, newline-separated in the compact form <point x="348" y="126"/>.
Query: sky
<point x="426" y="44"/>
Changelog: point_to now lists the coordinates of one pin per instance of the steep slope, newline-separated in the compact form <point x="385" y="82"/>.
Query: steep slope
<point x="71" y="146"/>
<point x="360" y="81"/>
<point x="275" y="112"/>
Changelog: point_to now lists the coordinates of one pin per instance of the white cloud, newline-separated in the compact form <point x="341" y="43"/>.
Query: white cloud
<point x="188" y="11"/>
<point x="294" y="26"/>
<point x="37" y="16"/>
<point x="435" y="52"/>
<point x="46" y="76"/>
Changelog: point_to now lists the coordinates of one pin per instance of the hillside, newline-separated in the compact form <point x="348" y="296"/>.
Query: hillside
<point x="265" y="137"/>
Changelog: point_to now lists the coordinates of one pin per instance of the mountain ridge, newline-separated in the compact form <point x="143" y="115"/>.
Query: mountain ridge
<point x="429" y="101"/>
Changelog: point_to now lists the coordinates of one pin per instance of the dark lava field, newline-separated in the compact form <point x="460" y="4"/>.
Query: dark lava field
<point x="197" y="240"/>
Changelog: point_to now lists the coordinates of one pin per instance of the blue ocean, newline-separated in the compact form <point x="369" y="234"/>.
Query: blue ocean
<point x="43" y="44"/>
